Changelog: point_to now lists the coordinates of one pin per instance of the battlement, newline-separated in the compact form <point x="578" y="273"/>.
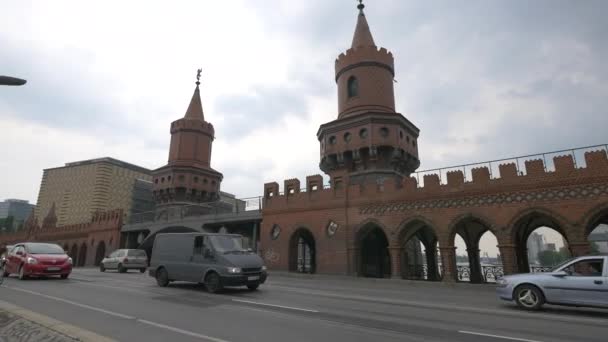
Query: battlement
<point x="364" y="54"/>
<point x="202" y="126"/>
<point x="534" y="173"/>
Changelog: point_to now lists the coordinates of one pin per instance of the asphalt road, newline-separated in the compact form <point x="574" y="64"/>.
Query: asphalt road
<point x="131" y="307"/>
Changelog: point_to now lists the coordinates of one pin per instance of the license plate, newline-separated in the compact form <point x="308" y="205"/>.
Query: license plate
<point x="52" y="269"/>
<point x="253" y="278"/>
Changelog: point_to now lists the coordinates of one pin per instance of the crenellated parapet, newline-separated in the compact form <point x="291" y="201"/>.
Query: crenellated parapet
<point x="192" y="125"/>
<point x="363" y="54"/>
<point x="534" y="175"/>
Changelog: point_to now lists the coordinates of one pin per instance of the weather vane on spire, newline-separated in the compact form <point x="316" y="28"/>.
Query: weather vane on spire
<point x="361" y="6"/>
<point x="198" y="76"/>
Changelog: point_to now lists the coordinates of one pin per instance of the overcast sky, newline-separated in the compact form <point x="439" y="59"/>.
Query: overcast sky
<point x="481" y="79"/>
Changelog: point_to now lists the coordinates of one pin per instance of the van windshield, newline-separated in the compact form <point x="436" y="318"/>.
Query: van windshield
<point x="227" y="244"/>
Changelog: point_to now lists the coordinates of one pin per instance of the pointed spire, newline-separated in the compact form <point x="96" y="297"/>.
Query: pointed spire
<point x="195" y="109"/>
<point x="363" y="35"/>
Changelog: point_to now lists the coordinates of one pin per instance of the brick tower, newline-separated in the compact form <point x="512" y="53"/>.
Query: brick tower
<point x="369" y="141"/>
<point x="188" y="178"/>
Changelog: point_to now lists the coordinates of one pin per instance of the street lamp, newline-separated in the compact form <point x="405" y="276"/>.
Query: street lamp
<point x="11" y="81"/>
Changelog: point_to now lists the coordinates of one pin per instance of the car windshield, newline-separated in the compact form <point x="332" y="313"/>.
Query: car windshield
<point x="43" y="248"/>
<point x="555" y="268"/>
<point x="136" y="253"/>
<point x="227" y="244"/>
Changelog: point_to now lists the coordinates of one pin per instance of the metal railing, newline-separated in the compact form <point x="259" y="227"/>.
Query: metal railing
<point x="237" y="206"/>
<point x="489" y="273"/>
<point x="519" y="161"/>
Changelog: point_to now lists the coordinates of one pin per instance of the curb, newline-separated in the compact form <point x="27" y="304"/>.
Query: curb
<point x="68" y="330"/>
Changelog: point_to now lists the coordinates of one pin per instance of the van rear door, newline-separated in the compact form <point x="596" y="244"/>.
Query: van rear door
<point x="198" y="264"/>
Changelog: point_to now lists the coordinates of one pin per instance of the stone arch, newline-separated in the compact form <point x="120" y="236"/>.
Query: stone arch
<point x="74" y="254"/>
<point x="471" y="227"/>
<point x="82" y="255"/>
<point x="525" y="222"/>
<point x="594" y="217"/>
<point x="302" y="251"/>
<point x="100" y="253"/>
<point x="416" y="264"/>
<point x="373" y="257"/>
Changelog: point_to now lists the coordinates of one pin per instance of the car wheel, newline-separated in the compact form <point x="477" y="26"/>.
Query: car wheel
<point x="22" y="275"/>
<point x="121" y="269"/>
<point x="142" y="270"/>
<point x="529" y="297"/>
<point x="65" y="276"/>
<point x="102" y="268"/>
<point x="253" y="287"/>
<point x="213" y="282"/>
<point x="162" y="278"/>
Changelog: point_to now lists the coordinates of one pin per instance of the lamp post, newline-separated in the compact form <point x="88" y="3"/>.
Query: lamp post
<point x="11" y="81"/>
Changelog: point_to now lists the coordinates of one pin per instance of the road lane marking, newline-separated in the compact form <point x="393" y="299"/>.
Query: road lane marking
<point x="181" y="331"/>
<point x="116" y="314"/>
<point x="111" y="313"/>
<point x="496" y="336"/>
<point x="274" y="305"/>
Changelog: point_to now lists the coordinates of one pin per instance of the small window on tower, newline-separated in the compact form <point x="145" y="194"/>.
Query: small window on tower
<point x="353" y="87"/>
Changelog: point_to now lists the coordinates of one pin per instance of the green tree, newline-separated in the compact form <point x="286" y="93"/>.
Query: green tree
<point x="551" y="258"/>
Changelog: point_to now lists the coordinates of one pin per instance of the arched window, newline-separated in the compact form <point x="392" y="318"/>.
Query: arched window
<point x="353" y="87"/>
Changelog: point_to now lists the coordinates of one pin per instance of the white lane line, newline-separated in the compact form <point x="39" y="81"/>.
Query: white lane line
<point x="497" y="336"/>
<point x="111" y="313"/>
<point x="181" y="331"/>
<point x="273" y="305"/>
<point x="116" y="314"/>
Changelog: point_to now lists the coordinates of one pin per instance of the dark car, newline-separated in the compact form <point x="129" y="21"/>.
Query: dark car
<point x="38" y="260"/>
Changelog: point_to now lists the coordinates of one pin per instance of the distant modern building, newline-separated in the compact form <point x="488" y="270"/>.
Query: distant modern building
<point x="80" y="189"/>
<point x="536" y="244"/>
<point x="16" y="208"/>
<point x="599" y="237"/>
<point x="142" y="200"/>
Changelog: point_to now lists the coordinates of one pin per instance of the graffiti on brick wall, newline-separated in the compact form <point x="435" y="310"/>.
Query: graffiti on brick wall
<point x="271" y="256"/>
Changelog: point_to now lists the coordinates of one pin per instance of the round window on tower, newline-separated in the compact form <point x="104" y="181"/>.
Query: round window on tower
<point x="332" y="140"/>
<point x="384" y="132"/>
<point x="347" y="136"/>
<point x="363" y="133"/>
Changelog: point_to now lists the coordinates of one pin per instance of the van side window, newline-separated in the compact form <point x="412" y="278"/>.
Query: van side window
<point x="198" y="245"/>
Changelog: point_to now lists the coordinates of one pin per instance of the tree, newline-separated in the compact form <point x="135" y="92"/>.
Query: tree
<point x="551" y="258"/>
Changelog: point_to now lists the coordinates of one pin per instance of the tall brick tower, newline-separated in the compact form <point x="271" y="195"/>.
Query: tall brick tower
<point x="188" y="177"/>
<point x="369" y="141"/>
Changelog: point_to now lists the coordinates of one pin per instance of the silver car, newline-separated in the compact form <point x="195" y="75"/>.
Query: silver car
<point x="581" y="281"/>
<point x="124" y="260"/>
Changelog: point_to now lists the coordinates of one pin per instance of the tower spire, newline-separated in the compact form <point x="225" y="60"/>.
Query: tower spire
<point x="363" y="35"/>
<point x="195" y="109"/>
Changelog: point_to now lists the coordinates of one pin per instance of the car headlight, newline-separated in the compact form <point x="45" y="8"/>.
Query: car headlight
<point x="501" y="282"/>
<point x="233" y="270"/>
<point x="70" y="261"/>
<point x="31" y="261"/>
<point x="264" y="268"/>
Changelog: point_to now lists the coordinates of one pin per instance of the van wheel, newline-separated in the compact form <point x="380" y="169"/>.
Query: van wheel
<point x="213" y="282"/>
<point x="121" y="269"/>
<point x="253" y="287"/>
<point x="102" y="268"/>
<point x="162" y="278"/>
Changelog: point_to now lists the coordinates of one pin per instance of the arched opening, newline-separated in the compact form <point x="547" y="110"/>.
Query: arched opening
<point x="74" y="255"/>
<point x="420" y="252"/>
<point x="490" y="259"/>
<point x="353" y="87"/>
<point x="539" y="243"/>
<point x="302" y="252"/>
<point x="468" y="233"/>
<point x="100" y="253"/>
<point x="374" y="257"/>
<point x="597" y="233"/>
<point x="82" y="256"/>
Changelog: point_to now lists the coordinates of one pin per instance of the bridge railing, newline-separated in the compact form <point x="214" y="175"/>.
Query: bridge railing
<point x="490" y="273"/>
<point x="231" y="206"/>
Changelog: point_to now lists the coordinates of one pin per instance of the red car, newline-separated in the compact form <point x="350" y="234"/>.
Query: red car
<point x="39" y="260"/>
